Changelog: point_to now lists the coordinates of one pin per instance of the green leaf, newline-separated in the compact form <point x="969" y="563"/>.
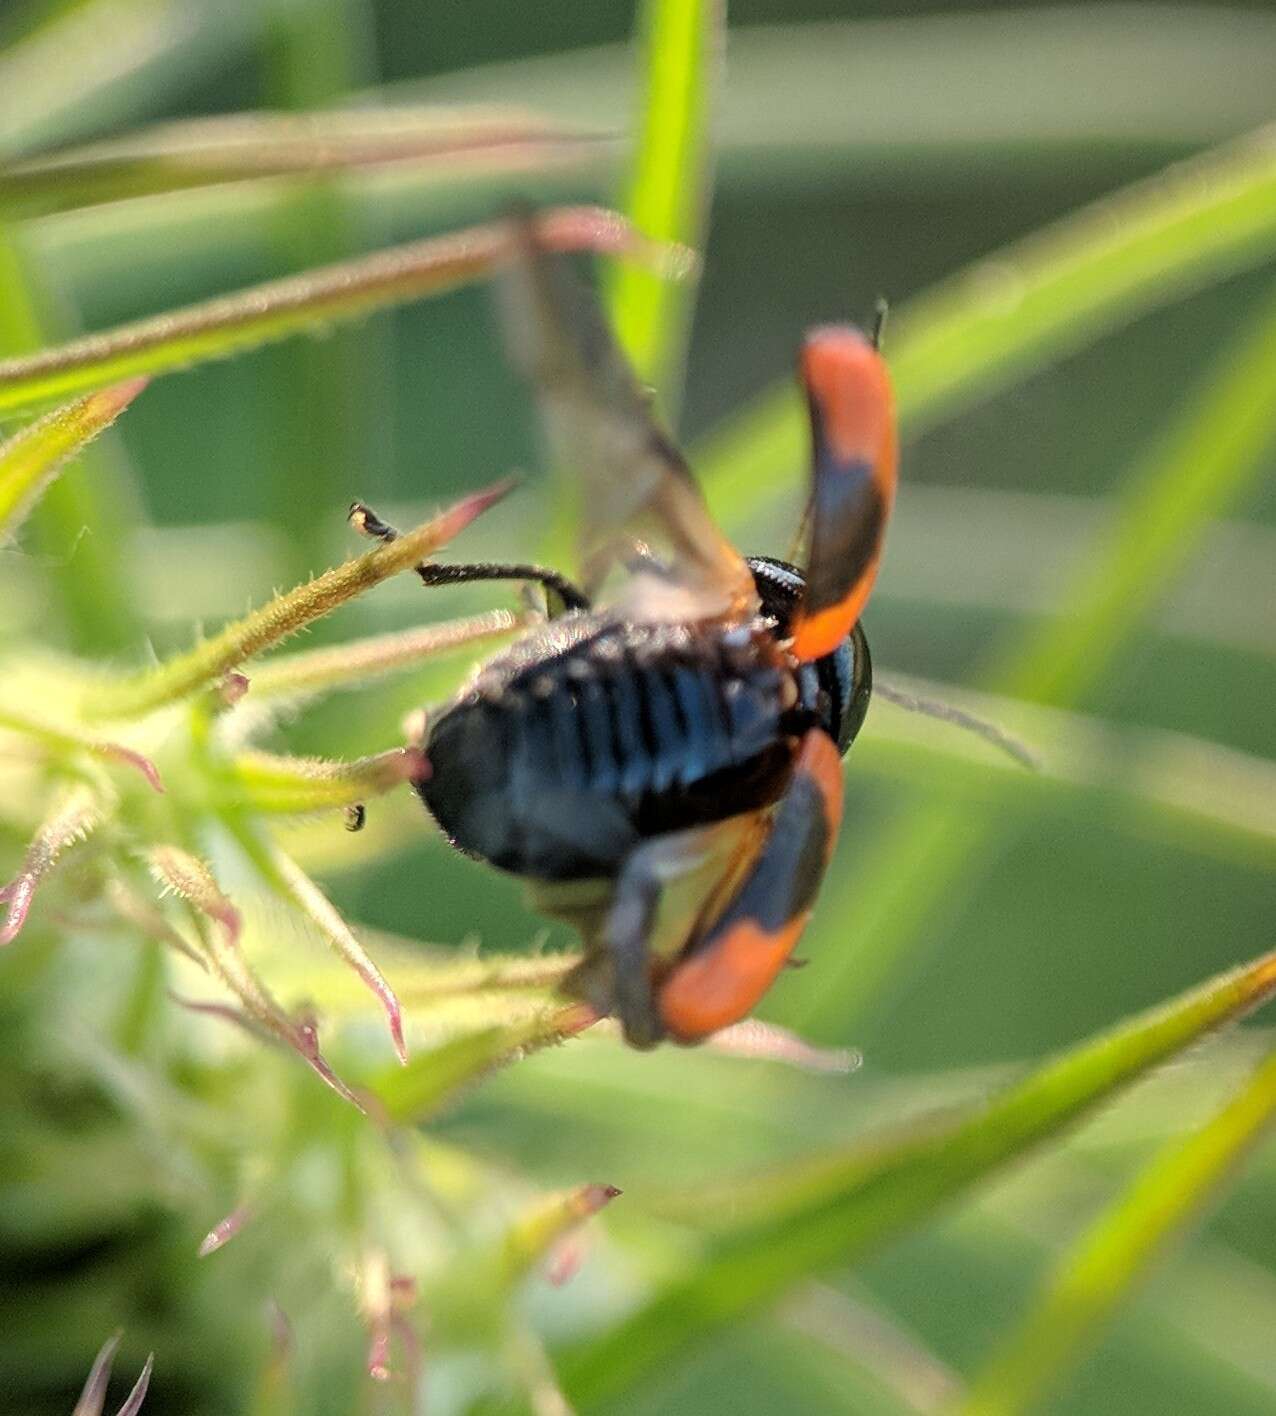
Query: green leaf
<point x="668" y="184"/>
<point x="1113" y="1255"/>
<point x="312" y="300"/>
<point x="1028" y="305"/>
<point x="835" y="1208"/>
<point x="31" y="459"/>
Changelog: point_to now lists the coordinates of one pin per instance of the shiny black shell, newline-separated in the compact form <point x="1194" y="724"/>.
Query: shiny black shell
<point x="590" y="735"/>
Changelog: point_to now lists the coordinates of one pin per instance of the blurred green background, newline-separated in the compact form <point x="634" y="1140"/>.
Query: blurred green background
<point x="863" y="150"/>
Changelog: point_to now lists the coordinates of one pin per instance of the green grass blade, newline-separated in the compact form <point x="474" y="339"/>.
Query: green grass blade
<point x="1029" y="304"/>
<point x="1116" y="1251"/>
<point x="31" y="459"/>
<point x="326" y="397"/>
<point x="1196" y="472"/>
<point x="1205" y="461"/>
<point x="69" y="69"/>
<point x="834" y="1209"/>
<point x="246" y="147"/>
<point x="312" y="300"/>
<point x="668" y="186"/>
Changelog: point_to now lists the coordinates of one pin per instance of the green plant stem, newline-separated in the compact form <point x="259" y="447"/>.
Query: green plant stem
<point x="667" y="189"/>
<point x="206" y="663"/>
<point x="311" y="300"/>
<point x="32" y="458"/>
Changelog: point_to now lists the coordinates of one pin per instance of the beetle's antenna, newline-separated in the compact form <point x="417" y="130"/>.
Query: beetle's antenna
<point x="946" y="713"/>
<point x="880" y="312"/>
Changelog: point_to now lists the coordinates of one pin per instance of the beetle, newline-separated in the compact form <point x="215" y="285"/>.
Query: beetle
<point x="660" y="759"/>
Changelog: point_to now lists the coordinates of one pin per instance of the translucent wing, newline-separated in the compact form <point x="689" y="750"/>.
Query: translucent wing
<point x="640" y="512"/>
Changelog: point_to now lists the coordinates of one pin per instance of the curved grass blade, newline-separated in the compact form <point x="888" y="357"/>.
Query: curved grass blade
<point x="833" y="1209"/>
<point x="1205" y="461"/>
<point x="1030" y="304"/>
<point x="667" y="192"/>
<point x="1195" y="473"/>
<point x="260" y="314"/>
<point x="244" y="147"/>
<point x="205" y="664"/>
<point x="74" y="68"/>
<point x="1113" y="1255"/>
<point x="31" y="459"/>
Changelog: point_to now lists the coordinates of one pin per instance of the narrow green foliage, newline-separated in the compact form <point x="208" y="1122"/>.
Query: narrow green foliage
<point x="548" y="1221"/>
<point x="1031" y="303"/>
<point x="272" y="785"/>
<point x="76" y="812"/>
<point x="668" y="187"/>
<point x="1112" y="1256"/>
<point x="31" y="459"/>
<point x="348" y="290"/>
<point x="96" y="494"/>
<point x="834" y="1209"/>
<point x="174" y="157"/>
<point x="1196" y="471"/>
<point x="204" y="665"/>
<point x="65" y="744"/>
<point x="80" y="65"/>
<point x="433" y="1080"/>
<point x="290" y="677"/>
<point x="190" y="878"/>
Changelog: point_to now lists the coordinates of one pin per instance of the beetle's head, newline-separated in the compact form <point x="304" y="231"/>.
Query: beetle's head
<point x="838" y="685"/>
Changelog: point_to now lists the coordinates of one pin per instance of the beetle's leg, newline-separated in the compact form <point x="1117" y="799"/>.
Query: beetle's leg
<point x="723" y="973"/>
<point x="665" y="887"/>
<point x="852" y="482"/>
<point x="560" y="593"/>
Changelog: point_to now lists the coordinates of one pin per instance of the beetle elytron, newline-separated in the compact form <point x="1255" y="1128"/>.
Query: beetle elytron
<point x="660" y="760"/>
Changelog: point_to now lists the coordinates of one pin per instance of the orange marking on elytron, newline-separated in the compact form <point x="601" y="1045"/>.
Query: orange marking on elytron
<point x="715" y="989"/>
<point x="821" y="633"/>
<point x="718" y="987"/>
<point x="855" y="407"/>
<point x="848" y="381"/>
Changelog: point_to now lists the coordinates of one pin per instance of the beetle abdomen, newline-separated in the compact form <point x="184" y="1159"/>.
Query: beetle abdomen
<point x="589" y="735"/>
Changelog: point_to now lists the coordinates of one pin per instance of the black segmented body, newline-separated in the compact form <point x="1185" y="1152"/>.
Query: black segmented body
<point x="590" y="735"/>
